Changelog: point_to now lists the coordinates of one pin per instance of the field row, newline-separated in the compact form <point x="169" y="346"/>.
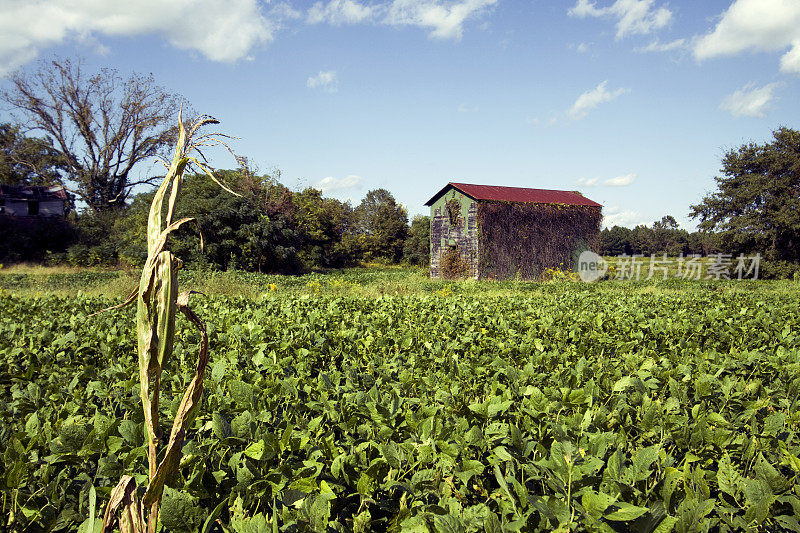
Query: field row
<point x="594" y="410"/>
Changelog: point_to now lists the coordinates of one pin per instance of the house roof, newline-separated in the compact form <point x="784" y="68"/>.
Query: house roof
<point x="28" y="192"/>
<point x="516" y="194"/>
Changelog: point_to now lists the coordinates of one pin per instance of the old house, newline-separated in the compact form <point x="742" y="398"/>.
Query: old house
<point x="30" y="201"/>
<point x="490" y="232"/>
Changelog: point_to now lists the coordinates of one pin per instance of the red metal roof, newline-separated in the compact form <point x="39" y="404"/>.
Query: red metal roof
<point x="516" y="194"/>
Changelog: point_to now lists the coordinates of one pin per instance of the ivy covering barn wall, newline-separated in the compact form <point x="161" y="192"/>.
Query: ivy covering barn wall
<point x="454" y="236"/>
<point x="524" y="239"/>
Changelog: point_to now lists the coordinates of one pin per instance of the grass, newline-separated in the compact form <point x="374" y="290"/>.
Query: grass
<point x="39" y="269"/>
<point x="369" y="282"/>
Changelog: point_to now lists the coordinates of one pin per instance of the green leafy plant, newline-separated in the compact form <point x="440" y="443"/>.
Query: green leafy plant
<point x="454" y="211"/>
<point x="452" y="265"/>
<point x="647" y="407"/>
<point x="527" y="238"/>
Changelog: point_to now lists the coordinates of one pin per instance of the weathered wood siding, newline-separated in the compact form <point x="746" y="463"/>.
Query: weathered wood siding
<point x="462" y="234"/>
<point x="24" y="208"/>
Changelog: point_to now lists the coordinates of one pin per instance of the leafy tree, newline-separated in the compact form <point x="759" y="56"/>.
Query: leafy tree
<point x="382" y="226"/>
<point x="100" y="126"/>
<point x="254" y="232"/>
<point x="663" y="237"/>
<point x="667" y="222"/>
<point x="27" y="160"/>
<point x="96" y="239"/>
<point x="668" y="237"/>
<point x="757" y="203"/>
<point x="615" y="241"/>
<point x="417" y="248"/>
<point x="642" y="240"/>
<point x="703" y="243"/>
<point x="323" y="223"/>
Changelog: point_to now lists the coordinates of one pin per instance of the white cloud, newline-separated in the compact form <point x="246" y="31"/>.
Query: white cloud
<point x="331" y="184"/>
<point x="283" y="11"/>
<point x="633" y="16"/>
<point x="621" y="218"/>
<point x="339" y="12"/>
<point x="588" y="182"/>
<point x="750" y="101"/>
<point x="657" y="46"/>
<point x="445" y="19"/>
<point x="790" y="62"/>
<point x="593" y="98"/>
<point x="90" y="41"/>
<point x="760" y="25"/>
<point x="585" y="8"/>
<point x="325" y="80"/>
<point x="221" y="31"/>
<point x="620" y="181"/>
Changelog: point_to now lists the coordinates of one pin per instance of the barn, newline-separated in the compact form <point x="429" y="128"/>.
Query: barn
<point x="491" y="232"/>
<point x="32" y="201"/>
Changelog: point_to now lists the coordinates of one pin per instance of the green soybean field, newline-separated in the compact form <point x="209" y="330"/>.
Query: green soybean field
<point x="568" y="408"/>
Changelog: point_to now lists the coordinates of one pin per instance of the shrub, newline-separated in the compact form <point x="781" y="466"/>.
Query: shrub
<point x="451" y="264"/>
<point x="774" y="269"/>
<point x="29" y="239"/>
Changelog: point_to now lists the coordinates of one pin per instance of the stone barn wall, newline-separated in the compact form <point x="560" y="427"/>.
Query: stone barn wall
<point x="454" y="226"/>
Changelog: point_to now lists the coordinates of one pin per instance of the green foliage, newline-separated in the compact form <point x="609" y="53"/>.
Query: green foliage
<point x="96" y="239"/>
<point x="382" y="226"/>
<point x="253" y="232"/>
<point x="33" y="239"/>
<point x="324" y="225"/>
<point x="521" y="240"/>
<point x="771" y="269"/>
<point x="451" y="265"/>
<point x="572" y="407"/>
<point x="615" y="241"/>
<point x="27" y="160"/>
<point x="268" y="228"/>
<point x="180" y="511"/>
<point x="272" y="229"/>
<point x="757" y="207"/>
<point x="663" y="237"/>
<point x="417" y="248"/>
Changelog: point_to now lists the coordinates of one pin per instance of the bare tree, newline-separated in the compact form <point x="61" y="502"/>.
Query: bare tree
<point x="102" y="125"/>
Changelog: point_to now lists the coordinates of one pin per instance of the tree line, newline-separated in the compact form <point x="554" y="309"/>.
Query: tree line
<point x="663" y="237"/>
<point x="89" y="134"/>
<point x="268" y="228"/>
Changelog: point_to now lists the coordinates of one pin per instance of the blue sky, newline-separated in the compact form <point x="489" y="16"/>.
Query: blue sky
<point x="631" y="102"/>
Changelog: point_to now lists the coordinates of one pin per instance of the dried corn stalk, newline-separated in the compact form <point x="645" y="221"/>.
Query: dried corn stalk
<point x="157" y="302"/>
